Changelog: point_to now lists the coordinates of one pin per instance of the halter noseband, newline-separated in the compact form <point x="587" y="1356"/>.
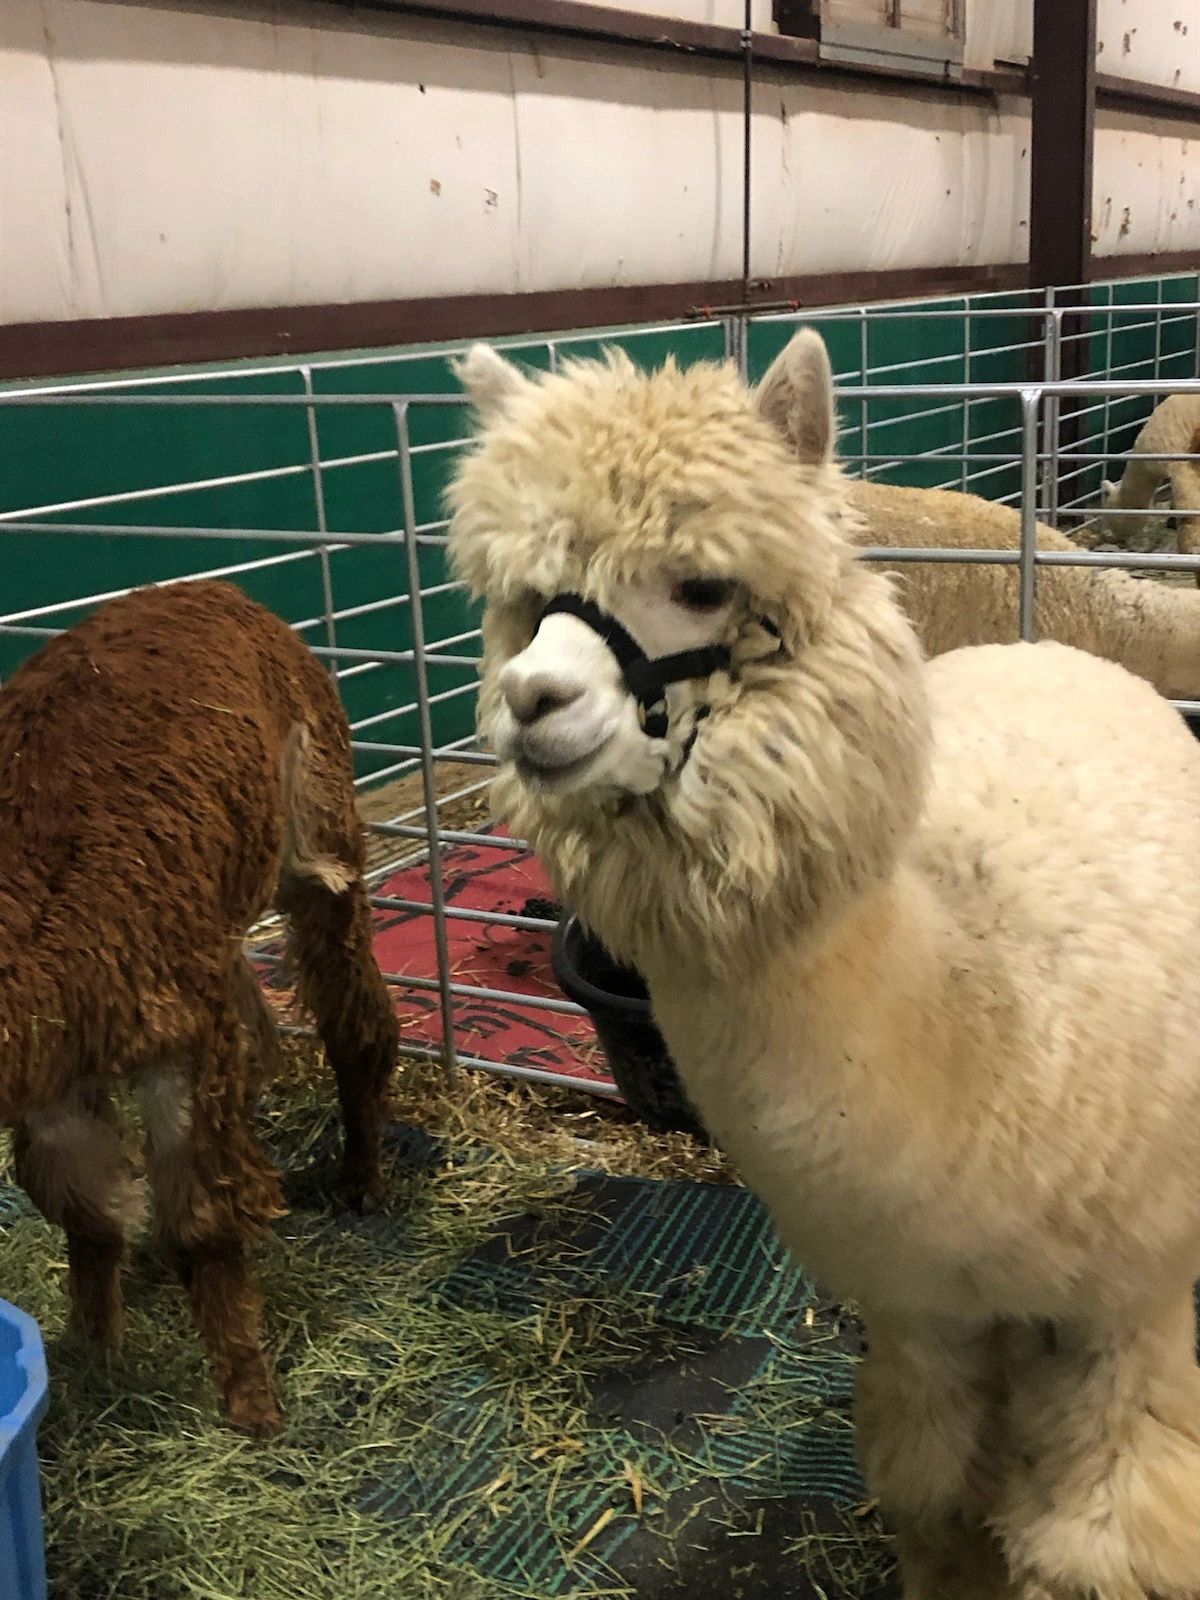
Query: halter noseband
<point x="646" y="677"/>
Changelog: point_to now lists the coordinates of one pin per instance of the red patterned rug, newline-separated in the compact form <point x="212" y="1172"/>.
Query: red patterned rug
<point x="483" y="956"/>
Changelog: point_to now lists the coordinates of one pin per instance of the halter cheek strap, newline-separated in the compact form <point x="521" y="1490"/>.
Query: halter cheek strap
<point x="646" y="677"/>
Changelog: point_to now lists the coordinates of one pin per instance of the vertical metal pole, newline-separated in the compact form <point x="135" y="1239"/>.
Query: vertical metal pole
<point x="729" y="336"/>
<point x="1062" y="84"/>
<point x="735" y="330"/>
<point x="1053" y="374"/>
<point x="747" y="109"/>
<point x="552" y="355"/>
<point x="318" y="480"/>
<point x="425" y="721"/>
<point x="1029" y="465"/>
<point x="1062" y="90"/>
<point x="966" y="416"/>
<point x="1108" y="372"/>
<point x="864" y="378"/>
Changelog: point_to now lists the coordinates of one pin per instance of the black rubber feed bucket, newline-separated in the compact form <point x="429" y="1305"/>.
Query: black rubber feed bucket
<point x="617" y="1001"/>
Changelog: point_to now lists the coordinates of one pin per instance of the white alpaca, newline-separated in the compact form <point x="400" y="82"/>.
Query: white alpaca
<point x="923" y="941"/>
<point x="1172" y="428"/>
<point x="1151" y="628"/>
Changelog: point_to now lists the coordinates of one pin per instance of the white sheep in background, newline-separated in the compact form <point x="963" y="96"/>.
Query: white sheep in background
<point x="1172" y="429"/>
<point x="922" y="940"/>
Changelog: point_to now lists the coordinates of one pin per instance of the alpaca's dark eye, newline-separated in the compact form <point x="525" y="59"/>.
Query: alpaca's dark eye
<point x="703" y="594"/>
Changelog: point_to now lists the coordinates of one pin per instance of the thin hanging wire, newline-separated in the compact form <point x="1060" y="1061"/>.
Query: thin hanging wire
<point x="747" y="105"/>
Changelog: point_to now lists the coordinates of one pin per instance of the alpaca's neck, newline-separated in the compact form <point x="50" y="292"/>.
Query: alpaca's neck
<point x="824" y="1070"/>
<point x="882" y="966"/>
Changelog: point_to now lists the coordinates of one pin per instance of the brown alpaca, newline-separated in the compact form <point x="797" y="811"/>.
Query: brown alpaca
<point x="167" y="769"/>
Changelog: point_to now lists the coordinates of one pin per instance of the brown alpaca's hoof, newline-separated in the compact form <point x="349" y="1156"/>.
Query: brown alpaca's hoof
<point x="103" y="1328"/>
<point x="254" y="1414"/>
<point x="364" y="1194"/>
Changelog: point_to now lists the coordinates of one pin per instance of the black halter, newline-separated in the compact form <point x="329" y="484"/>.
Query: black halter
<point x="646" y="677"/>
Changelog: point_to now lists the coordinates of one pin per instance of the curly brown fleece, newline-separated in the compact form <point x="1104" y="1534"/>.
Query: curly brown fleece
<point x="167" y="769"/>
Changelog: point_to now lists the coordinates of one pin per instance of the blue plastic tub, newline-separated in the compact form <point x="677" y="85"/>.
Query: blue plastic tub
<point x="23" y="1400"/>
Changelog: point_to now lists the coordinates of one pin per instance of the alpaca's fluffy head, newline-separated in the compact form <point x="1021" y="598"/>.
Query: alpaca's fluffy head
<point x="695" y="511"/>
<point x="681" y="506"/>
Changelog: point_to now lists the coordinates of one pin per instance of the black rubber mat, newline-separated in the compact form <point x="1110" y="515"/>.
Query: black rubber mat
<point x="717" y="1460"/>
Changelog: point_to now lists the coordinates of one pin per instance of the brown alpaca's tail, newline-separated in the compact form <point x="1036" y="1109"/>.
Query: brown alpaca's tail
<point x="306" y="819"/>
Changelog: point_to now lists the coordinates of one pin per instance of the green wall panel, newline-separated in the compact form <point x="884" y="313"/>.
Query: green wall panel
<point x="173" y="461"/>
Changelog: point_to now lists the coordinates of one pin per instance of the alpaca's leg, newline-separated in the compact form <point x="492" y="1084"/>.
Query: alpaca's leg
<point x="926" y="1406"/>
<point x="953" y="1560"/>
<point x="1102" y="1490"/>
<point x="214" y="1191"/>
<point x="227" y="1309"/>
<point x="340" y="982"/>
<point x="72" y="1163"/>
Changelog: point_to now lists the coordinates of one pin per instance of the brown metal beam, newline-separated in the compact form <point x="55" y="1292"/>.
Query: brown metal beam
<point x="1062" y="85"/>
<point x="43" y="349"/>
<point x="1063" y="90"/>
<point x="112" y="344"/>
<point x="696" y="41"/>
<point x="1150" y="264"/>
<point x="1146" y="99"/>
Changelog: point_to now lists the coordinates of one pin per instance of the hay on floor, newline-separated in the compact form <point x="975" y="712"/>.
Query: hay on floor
<point x="149" y="1497"/>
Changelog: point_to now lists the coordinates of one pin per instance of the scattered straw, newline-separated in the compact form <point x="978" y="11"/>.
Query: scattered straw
<point x="148" y="1497"/>
<point x="528" y="1121"/>
<point x="386" y="1382"/>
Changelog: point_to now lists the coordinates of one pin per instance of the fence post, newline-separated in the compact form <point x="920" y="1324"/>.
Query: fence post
<point x="1052" y="373"/>
<point x="437" y="882"/>
<point x="318" y="480"/>
<point x="1030" y="399"/>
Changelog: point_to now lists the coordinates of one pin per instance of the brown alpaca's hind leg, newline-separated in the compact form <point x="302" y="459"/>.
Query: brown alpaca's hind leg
<point x="228" y="1313"/>
<point x="341" y="984"/>
<point x="926" y="1405"/>
<point x="214" y="1192"/>
<point x="72" y="1163"/>
<point x="321" y="891"/>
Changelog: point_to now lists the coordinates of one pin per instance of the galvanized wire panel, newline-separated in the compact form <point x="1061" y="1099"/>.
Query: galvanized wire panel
<point x="317" y="485"/>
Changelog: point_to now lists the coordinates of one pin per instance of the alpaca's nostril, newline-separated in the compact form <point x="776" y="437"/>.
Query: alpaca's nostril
<point x="536" y="696"/>
<point x="544" y="706"/>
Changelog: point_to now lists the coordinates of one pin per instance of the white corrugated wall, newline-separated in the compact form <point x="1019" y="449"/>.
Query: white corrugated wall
<point x="156" y="158"/>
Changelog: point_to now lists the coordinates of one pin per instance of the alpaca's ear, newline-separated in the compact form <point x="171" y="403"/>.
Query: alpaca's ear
<point x="489" y="380"/>
<point x="796" y="396"/>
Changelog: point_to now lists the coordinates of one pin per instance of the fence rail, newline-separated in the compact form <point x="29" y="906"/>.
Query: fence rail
<point x="366" y="564"/>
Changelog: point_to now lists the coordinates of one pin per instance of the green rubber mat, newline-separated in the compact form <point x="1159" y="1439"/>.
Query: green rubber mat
<point x="514" y="1384"/>
<point x="716" y="1461"/>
